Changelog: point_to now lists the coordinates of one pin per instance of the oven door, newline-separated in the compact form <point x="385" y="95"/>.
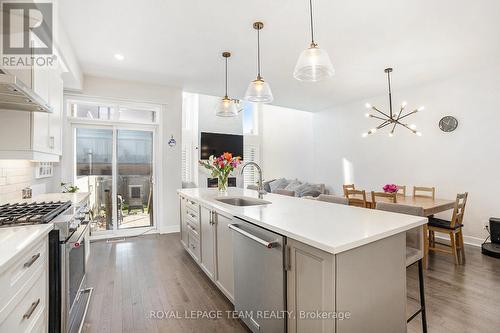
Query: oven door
<point x="76" y="295"/>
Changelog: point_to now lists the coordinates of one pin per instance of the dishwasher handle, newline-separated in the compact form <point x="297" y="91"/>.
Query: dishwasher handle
<point x="267" y="244"/>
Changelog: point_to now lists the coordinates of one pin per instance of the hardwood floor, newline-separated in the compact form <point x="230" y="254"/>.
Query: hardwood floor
<point x="151" y="273"/>
<point x="154" y="273"/>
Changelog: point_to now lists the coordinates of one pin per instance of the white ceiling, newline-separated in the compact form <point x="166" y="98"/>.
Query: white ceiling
<point x="179" y="43"/>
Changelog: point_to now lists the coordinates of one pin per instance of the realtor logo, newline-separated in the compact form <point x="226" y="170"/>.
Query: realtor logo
<point x="27" y="28"/>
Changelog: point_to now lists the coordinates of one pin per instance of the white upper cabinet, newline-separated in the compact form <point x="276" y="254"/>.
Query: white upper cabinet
<point x="34" y="135"/>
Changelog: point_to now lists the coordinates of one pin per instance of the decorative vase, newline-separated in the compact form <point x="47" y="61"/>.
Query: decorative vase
<point x="222" y="184"/>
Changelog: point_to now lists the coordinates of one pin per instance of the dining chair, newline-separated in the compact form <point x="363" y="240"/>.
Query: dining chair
<point x="413" y="255"/>
<point x="333" y="199"/>
<point x="356" y="198"/>
<point x="401" y="190"/>
<point x="347" y="187"/>
<point x="453" y="228"/>
<point x="431" y="192"/>
<point x="391" y="197"/>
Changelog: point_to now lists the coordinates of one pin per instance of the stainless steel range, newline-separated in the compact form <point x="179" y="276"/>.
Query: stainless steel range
<point x="69" y="297"/>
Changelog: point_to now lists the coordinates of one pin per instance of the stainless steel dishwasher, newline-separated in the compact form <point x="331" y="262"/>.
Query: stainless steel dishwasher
<point x="259" y="277"/>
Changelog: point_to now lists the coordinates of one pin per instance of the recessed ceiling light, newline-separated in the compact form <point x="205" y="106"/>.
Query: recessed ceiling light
<point x="119" y="56"/>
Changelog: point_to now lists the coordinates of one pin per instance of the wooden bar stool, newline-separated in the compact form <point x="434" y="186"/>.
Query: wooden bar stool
<point x="413" y="256"/>
<point x="356" y="198"/>
<point x="431" y="192"/>
<point x="453" y="228"/>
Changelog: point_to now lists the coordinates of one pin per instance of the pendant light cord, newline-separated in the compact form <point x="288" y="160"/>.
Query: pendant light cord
<point x="226" y="76"/>
<point x="258" y="53"/>
<point x="312" y="25"/>
<point x="390" y="94"/>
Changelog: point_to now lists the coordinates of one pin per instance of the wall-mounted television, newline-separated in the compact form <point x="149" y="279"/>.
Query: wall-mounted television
<point x="217" y="144"/>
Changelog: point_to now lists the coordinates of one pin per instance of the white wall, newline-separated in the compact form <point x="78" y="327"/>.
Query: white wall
<point x="464" y="160"/>
<point x="170" y="168"/>
<point x="287" y="143"/>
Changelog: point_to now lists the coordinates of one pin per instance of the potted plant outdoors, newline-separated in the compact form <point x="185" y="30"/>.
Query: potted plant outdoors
<point x="221" y="167"/>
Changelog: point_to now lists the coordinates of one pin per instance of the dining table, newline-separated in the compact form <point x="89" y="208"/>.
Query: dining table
<point x="430" y="207"/>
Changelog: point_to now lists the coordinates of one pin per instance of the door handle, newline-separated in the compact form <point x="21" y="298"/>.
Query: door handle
<point x="32" y="308"/>
<point x="32" y="260"/>
<point x="267" y="244"/>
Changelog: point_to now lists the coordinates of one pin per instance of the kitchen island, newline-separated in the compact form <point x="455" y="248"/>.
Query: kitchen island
<point x="345" y="266"/>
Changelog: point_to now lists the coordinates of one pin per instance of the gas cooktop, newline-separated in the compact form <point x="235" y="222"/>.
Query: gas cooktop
<point x="31" y="213"/>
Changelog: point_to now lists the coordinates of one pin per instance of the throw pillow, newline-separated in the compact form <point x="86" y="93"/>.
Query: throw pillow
<point x="278" y="183"/>
<point x="307" y="190"/>
<point x="293" y="185"/>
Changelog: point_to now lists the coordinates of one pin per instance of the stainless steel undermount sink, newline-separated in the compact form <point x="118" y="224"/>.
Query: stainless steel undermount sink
<point x="243" y="201"/>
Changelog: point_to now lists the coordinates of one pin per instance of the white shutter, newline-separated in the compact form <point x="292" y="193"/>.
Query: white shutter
<point x="187" y="174"/>
<point x="250" y="154"/>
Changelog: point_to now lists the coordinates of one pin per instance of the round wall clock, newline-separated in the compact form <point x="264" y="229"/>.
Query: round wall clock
<point x="448" y="124"/>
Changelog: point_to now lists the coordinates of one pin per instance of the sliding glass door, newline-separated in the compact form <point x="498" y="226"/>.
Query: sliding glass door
<point x="116" y="165"/>
<point x="134" y="153"/>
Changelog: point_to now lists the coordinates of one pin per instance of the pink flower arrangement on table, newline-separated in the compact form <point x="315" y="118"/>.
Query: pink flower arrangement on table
<point x="390" y="188"/>
<point x="221" y="167"/>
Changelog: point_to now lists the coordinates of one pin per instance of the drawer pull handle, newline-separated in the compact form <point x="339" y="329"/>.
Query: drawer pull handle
<point x="32" y="308"/>
<point x="32" y="260"/>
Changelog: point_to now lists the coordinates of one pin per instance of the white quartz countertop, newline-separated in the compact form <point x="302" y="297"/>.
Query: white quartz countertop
<point x="330" y="227"/>
<point x="14" y="240"/>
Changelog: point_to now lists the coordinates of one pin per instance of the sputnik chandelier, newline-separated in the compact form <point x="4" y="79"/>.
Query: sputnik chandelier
<point x="393" y="118"/>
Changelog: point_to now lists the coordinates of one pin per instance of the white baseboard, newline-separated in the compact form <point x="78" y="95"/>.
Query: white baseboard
<point x="170" y="229"/>
<point x="124" y="233"/>
<point x="469" y="240"/>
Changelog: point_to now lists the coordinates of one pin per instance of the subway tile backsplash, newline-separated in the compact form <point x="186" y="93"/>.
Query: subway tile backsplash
<point x="16" y="175"/>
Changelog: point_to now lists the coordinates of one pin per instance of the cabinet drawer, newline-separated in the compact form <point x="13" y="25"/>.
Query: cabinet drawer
<point x="12" y="280"/>
<point x="194" y="223"/>
<point x="193" y="206"/>
<point x="193" y="227"/>
<point x="192" y="215"/>
<point x="25" y="315"/>
<point x="194" y="245"/>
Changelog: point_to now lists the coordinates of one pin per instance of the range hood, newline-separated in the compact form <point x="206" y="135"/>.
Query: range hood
<point x="15" y="95"/>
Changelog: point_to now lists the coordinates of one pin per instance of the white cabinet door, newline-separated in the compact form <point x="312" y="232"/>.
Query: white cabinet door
<point x="310" y="288"/>
<point x="40" y="124"/>
<point x="207" y="242"/>
<point x="184" y="228"/>
<point x="224" y="237"/>
<point x="40" y="132"/>
<point x="55" y="118"/>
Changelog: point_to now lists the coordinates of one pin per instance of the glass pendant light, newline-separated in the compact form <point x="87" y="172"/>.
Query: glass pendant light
<point x="258" y="90"/>
<point x="226" y="106"/>
<point x="314" y="63"/>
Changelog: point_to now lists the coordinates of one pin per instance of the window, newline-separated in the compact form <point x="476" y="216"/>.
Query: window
<point x="251" y="153"/>
<point x="250" y="118"/>
<point x="92" y="111"/>
<point x="137" y="113"/>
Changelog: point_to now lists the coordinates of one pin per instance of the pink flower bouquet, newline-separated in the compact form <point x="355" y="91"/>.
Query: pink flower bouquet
<point x="221" y="167"/>
<point x="390" y="188"/>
